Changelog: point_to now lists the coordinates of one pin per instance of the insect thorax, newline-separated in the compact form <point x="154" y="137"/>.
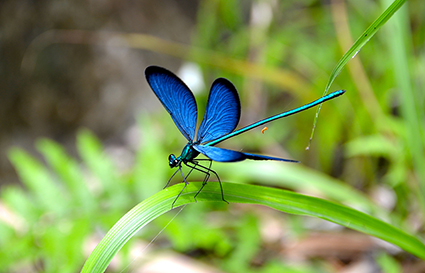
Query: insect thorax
<point x="188" y="153"/>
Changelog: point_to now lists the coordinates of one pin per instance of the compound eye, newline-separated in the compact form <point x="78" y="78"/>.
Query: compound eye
<point x="172" y="161"/>
<point x="171" y="157"/>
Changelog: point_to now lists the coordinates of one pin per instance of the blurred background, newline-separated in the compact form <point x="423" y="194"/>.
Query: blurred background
<point x="83" y="139"/>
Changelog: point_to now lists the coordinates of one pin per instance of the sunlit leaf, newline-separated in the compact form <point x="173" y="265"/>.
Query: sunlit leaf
<point x="282" y="200"/>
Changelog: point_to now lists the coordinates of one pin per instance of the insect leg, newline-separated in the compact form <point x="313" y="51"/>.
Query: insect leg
<point x="206" y="171"/>
<point x="169" y="180"/>
<point x="189" y="173"/>
<point x="185" y="184"/>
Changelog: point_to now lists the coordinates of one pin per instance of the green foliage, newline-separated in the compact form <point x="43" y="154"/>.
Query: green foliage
<point x="372" y="137"/>
<point x="285" y="201"/>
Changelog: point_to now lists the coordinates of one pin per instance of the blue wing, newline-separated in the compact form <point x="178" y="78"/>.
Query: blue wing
<point x="224" y="155"/>
<point x="222" y="113"/>
<point x="176" y="97"/>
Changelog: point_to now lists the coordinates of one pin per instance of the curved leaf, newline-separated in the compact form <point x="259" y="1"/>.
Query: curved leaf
<point x="282" y="200"/>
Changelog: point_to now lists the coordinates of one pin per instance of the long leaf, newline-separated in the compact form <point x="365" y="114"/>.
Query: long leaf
<point x="356" y="47"/>
<point x="282" y="200"/>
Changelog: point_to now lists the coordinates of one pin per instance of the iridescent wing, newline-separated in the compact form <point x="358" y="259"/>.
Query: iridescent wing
<point x="225" y="155"/>
<point x="222" y="113"/>
<point x="176" y="97"/>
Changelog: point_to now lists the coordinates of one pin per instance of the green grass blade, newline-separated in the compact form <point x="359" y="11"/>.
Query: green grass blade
<point x="282" y="200"/>
<point x="363" y="39"/>
<point x="356" y="47"/>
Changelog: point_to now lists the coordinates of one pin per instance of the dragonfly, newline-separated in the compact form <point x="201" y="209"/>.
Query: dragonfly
<point x="221" y="117"/>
